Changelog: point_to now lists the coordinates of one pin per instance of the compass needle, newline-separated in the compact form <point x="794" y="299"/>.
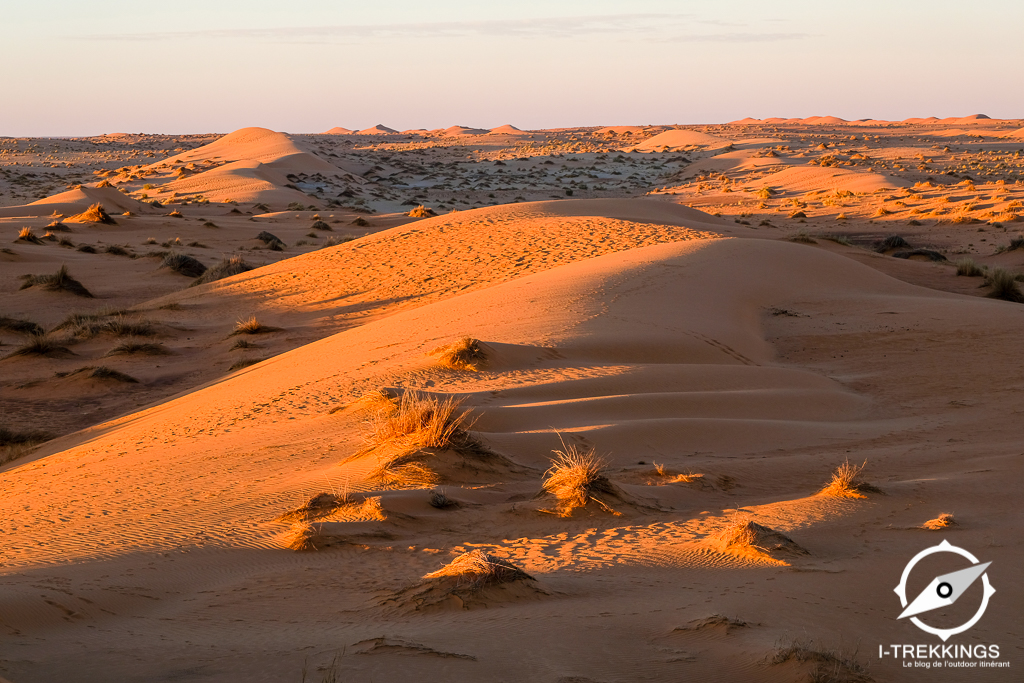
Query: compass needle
<point x="944" y="590"/>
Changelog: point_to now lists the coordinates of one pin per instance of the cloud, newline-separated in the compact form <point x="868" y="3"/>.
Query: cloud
<point x="663" y="27"/>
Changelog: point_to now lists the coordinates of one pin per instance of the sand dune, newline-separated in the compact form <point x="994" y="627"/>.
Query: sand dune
<point x="338" y="130"/>
<point x="76" y="201"/>
<point x="379" y="129"/>
<point x="804" y="178"/>
<point x="677" y="139"/>
<point x="507" y="129"/>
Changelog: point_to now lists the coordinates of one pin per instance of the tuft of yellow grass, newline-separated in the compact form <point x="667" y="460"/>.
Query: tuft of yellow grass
<point x="422" y="212"/>
<point x="463" y="354"/>
<point x="847" y="482"/>
<point x="750" y="535"/>
<point x="575" y="476"/>
<point x="252" y="325"/>
<point x="943" y="521"/>
<point x="477" y="569"/>
<point x="402" y="432"/>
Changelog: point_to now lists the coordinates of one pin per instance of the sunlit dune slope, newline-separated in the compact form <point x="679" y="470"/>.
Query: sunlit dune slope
<point x="654" y="351"/>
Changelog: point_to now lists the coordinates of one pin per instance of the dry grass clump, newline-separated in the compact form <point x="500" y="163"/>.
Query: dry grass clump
<point x="131" y="347"/>
<point x="226" y="268"/>
<point x="244" y="363"/>
<point x="15" y="444"/>
<point x="103" y="372"/>
<point x="61" y="281"/>
<point x="575" y="478"/>
<point x="321" y="225"/>
<point x="26" y="235"/>
<point x="440" y="500"/>
<point x="20" y="326"/>
<point x="802" y="238"/>
<point x="1003" y="285"/>
<point x="184" y="264"/>
<point x="753" y="536"/>
<point x="41" y="345"/>
<point x="477" y="569"/>
<point x="891" y="242"/>
<point x="57" y="226"/>
<point x="830" y="664"/>
<point x="847" y="482"/>
<point x="464" y="354"/>
<point x="122" y="326"/>
<point x="94" y="214"/>
<point x="252" y="325"/>
<point x="422" y="212"/>
<point x="943" y="521"/>
<point x="402" y="433"/>
<point x="968" y="268"/>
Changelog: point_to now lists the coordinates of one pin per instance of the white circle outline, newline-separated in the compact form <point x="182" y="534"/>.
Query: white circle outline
<point x="944" y="547"/>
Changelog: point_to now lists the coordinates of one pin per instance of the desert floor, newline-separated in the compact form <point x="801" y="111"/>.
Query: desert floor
<point x="198" y="481"/>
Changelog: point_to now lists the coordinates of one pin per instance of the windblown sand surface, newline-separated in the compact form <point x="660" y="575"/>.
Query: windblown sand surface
<point x="221" y="513"/>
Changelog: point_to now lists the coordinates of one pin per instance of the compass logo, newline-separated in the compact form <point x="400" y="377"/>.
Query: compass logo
<point x="944" y="590"/>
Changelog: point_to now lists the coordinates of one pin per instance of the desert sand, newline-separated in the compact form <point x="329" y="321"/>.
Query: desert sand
<point x="198" y="478"/>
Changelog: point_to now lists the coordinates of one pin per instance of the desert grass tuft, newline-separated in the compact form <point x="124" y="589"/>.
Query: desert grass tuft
<point x="830" y="664"/>
<point x="1003" y="284"/>
<point x="226" y="268"/>
<point x="61" y="281"/>
<point x="41" y="345"/>
<point x="943" y="521"/>
<point x="421" y="212"/>
<point x="477" y="569"/>
<point x="464" y="354"/>
<point x="17" y="443"/>
<point x="753" y="536"/>
<point x="802" y="238"/>
<point x="891" y="242"/>
<point x="26" y="235"/>
<point x="968" y="268"/>
<point x="252" y="325"/>
<point x="847" y="482"/>
<point x="321" y="225"/>
<point x="575" y="478"/>
<point x="94" y="214"/>
<point x="404" y="432"/>
<point x="132" y="347"/>
<point x="440" y="500"/>
<point x="103" y="372"/>
<point x="244" y="363"/>
<point x="184" y="264"/>
<point x="19" y="326"/>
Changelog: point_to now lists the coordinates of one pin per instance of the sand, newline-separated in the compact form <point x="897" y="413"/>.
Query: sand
<point x="721" y="368"/>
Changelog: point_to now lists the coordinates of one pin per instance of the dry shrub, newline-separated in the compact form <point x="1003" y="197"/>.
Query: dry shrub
<point x="753" y="536"/>
<point x="847" y="482"/>
<point x="20" y="326"/>
<point x="61" y="281"/>
<point x="41" y="345"/>
<point x="252" y="325"/>
<point x="830" y="664"/>
<point x="673" y="477"/>
<point x="802" y="238"/>
<point x="184" y="264"/>
<point x="26" y="235"/>
<point x="440" y="500"/>
<point x="464" y="354"/>
<point x="94" y="214"/>
<point x="131" y="347"/>
<point x="1004" y="285"/>
<point x="968" y="268"/>
<point x="575" y="477"/>
<point x="226" y="268"/>
<point x="421" y="212"/>
<point x="943" y="521"/>
<point x="402" y="433"/>
<point x="892" y="242"/>
<point x="16" y="444"/>
<point x="477" y="569"/>
<point x="244" y="363"/>
<point x="321" y="225"/>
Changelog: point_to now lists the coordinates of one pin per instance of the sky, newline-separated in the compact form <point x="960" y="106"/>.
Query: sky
<point x="69" y="68"/>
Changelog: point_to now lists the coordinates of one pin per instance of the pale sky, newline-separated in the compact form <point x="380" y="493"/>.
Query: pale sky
<point x="69" y="67"/>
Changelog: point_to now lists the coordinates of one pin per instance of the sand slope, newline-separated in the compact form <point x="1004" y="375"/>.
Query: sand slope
<point x="668" y="352"/>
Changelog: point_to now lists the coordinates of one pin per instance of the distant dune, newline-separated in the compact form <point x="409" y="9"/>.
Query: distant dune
<point x="379" y="129"/>
<point x="677" y="139"/>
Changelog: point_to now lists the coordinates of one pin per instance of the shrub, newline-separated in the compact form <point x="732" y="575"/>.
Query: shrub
<point x="1004" y="285"/>
<point x="321" y="225"/>
<point x="252" y="325"/>
<point x="41" y="345"/>
<point x="244" y="363"/>
<point x="184" y="264"/>
<point x="830" y="665"/>
<point x="891" y="242"/>
<point x="753" y="536"/>
<point x="574" y="478"/>
<point x="21" y="326"/>
<point x="943" y="521"/>
<point x="26" y="235"/>
<point x="94" y="214"/>
<point x="226" y="268"/>
<point x="421" y="212"/>
<point x="847" y="482"/>
<point x="477" y="569"/>
<point x="130" y="347"/>
<point x="464" y="354"/>
<point x="115" y="250"/>
<point x="61" y="281"/>
<point x="967" y="267"/>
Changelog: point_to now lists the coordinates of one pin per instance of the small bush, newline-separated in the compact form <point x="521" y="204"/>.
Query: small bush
<point x="321" y="225"/>
<point x="243" y="344"/>
<point x="574" y="478"/>
<point x="252" y="325"/>
<point x="360" y="222"/>
<point x="26" y="235"/>
<point x="753" y="536"/>
<point x="421" y="212"/>
<point x="830" y="665"/>
<point x="41" y="345"/>
<point x="1004" y="285"/>
<point x="184" y="264"/>
<point x="244" y="363"/>
<point x="891" y="242"/>
<point x="439" y="500"/>
<point x="20" y="326"/>
<point x="477" y="569"/>
<point x="61" y="281"/>
<point x="106" y="373"/>
<point x="131" y="347"/>
<point x="226" y="268"/>
<point x="968" y="268"/>
<point x="802" y="238"/>
<point x="116" y="250"/>
<point x="334" y="241"/>
<point x="464" y="354"/>
<point x="86" y="249"/>
<point x="94" y="214"/>
<point x="943" y="521"/>
<point x="847" y="482"/>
